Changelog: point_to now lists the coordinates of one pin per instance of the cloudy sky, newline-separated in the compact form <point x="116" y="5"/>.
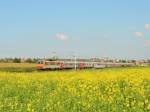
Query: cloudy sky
<point x="87" y="28"/>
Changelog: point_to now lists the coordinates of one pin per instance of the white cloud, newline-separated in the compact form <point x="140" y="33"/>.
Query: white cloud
<point x="62" y="36"/>
<point x="147" y="26"/>
<point x="138" y="34"/>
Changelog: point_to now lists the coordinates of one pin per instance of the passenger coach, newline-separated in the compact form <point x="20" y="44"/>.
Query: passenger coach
<point x="60" y="65"/>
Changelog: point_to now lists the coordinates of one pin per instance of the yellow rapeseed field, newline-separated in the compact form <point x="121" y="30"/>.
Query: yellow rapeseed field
<point x="104" y="90"/>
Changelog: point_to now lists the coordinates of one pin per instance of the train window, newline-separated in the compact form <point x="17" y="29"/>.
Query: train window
<point x="71" y="64"/>
<point x="57" y="63"/>
<point x="47" y="63"/>
<point x="51" y="63"/>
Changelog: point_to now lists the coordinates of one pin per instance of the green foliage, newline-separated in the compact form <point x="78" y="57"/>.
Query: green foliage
<point x="17" y="60"/>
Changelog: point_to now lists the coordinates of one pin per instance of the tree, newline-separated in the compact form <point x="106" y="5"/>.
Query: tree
<point x="17" y="60"/>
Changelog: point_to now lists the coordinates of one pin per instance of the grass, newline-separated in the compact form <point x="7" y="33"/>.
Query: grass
<point x="106" y="90"/>
<point x="17" y="67"/>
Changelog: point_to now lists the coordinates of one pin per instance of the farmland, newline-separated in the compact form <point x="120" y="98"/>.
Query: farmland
<point x="17" y="67"/>
<point x="104" y="90"/>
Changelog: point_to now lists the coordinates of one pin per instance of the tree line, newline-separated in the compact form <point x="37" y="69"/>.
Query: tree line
<point x="19" y="60"/>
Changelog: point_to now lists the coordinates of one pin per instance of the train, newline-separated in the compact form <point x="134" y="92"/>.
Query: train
<point x="71" y="64"/>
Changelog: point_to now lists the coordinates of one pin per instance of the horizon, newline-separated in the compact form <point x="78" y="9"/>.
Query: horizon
<point x="115" y="29"/>
<point x="107" y="58"/>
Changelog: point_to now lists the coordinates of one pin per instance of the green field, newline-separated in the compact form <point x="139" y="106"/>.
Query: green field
<point x="104" y="90"/>
<point x="17" y="67"/>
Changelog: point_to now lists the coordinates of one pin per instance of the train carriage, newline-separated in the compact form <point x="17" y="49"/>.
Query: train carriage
<point x="45" y="64"/>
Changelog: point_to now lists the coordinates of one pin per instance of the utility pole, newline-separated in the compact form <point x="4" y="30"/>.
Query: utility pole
<point x="75" y="62"/>
<point x="74" y="59"/>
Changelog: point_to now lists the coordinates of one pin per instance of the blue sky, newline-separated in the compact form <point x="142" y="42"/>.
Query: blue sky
<point x="88" y="28"/>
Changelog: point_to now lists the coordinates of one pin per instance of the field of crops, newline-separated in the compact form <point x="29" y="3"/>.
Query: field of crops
<point x="106" y="90"/>
<point x="17" y="67"/>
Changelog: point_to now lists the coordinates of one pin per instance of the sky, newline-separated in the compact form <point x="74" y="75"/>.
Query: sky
<point x="85" y="28"/>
